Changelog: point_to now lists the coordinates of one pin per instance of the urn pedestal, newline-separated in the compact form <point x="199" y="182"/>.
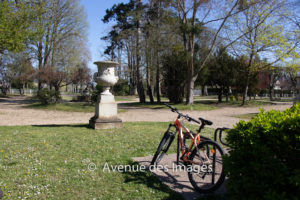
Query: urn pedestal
<point x="106" y="108"/>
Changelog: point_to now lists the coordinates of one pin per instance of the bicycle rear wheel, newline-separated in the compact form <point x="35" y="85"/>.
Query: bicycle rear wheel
<point x="206" y="172"/>
<point x="163" y="147"/>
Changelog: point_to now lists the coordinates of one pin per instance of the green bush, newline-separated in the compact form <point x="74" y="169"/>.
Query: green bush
<point x="121" y="88"/>
<point x="264" y="160"/>
<point x="174" y="74"/>
<point x="46" y="96"/>
<point x="97" y="91"/>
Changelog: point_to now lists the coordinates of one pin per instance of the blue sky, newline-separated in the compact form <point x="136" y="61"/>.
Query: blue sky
<point x="95" y="10"/>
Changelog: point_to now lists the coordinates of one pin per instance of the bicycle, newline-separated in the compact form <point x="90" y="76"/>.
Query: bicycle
<point x="202" y="153"/>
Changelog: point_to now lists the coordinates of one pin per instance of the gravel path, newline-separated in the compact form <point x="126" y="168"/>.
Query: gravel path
<point x="12" y="112"/>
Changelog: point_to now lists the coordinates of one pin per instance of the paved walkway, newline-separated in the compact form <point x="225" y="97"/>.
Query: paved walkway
<point x="175" y="177"/>
<point x="13" y="112"/>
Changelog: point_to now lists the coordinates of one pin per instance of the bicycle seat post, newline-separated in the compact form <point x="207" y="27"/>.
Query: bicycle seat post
<point x="201" y="127"/>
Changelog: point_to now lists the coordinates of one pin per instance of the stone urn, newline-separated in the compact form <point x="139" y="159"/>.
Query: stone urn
<point x="106" y="108"/>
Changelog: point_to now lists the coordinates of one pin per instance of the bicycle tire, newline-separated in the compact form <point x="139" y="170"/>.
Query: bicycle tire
<point x="203" y="183"/>
<point x="163" y="147"/>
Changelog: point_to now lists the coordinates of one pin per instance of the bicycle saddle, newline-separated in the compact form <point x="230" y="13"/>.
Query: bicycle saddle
<point x="205" y="122"/>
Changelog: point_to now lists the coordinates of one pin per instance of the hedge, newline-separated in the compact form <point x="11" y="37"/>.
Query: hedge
<point x="264" y="160"/>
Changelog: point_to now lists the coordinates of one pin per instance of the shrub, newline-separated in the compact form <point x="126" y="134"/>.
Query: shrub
<point x="46" y="96"/>
<point x="121" y="88"/>
<point x="97" y="91"/>
<point x="174" y="73"/>
<point x="264" y="160"/>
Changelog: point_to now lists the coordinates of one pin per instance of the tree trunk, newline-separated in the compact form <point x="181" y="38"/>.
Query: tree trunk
<point x="140" y="87"/>
<point x="248" y="77"/>
<point x="56" y="87"/>
<point x="190" y="90"/>
<point x="246" y="89"/>
<point x="205" y="92"/>
<point x="271" y="93"/>
<point x="227" y="93"/>
<point x="40" y="63"/>
<point x="21" y="89"/>
<point x="149" y="88"/>
<point x="220" y="95"/>
<point x="157" y="79"/>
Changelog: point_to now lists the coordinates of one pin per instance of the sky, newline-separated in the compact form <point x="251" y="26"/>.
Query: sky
<point x="95" y="10"/>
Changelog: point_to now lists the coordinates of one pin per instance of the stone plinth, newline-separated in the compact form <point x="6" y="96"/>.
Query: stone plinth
<point x="106" y="113"/>
<point x="105" y="122"/>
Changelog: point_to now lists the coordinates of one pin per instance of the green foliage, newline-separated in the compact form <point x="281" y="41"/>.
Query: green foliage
<point x="121" y="88"/>
<point x="15" y="20"/>
<point x="264" y="159"/>
<point x="241" y="75"/>
<point x="96" y="93"/>
<point x="47" y="96"/>
<point x="174" y="72"/>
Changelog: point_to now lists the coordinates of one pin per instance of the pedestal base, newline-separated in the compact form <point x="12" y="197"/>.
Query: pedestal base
<point x="105" y="122"/>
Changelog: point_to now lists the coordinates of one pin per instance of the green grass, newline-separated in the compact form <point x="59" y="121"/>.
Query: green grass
<point x="51" y="162"/>
<point x="206" y="97"/>
<point x="67" y="98"/>
<point x="182" y="106"/>
<point x="198" y="104"/>
<point x="251" y="103"/>
<point x="246" y="116"/>
<point x="283" y="99"/>
<point x="68" y="107"/>
<point x="125" y="98"/>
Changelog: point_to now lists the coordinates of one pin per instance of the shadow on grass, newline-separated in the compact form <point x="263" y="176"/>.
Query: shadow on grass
<point x="151" y="181"/>
<point x="198" y="105"/>
<point x="15" y="100"/>
<point x="64" y="125"/>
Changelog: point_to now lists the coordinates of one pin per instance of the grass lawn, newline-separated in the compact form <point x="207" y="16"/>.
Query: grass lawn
<point x="284" y="99"/>
<point x="125" y="98"/>
<point x="67" y="106"/>
<point x="251" y="103"/>
<point x="246" y="116"/>
<point x="51" y="162"/>
<point x="182" y="106"/>
<point x="198" y="104"/>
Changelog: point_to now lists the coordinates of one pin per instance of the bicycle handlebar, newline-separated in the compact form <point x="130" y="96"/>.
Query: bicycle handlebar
<point x="182" y="115"/>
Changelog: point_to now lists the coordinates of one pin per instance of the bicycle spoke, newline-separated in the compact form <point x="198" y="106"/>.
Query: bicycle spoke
<point x="211" y="156"/>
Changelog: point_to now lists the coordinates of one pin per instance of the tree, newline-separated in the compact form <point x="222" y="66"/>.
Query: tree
<point x="190" y="28"/>
<point x="62" y="26"/>
<point x="262" y="33"/>
<point x="223" y="72"/>
<point x="20" y="71"/>
<point x="15" y="25"/>
<point x="128" y="18"/>
<point x="174" y="66"/>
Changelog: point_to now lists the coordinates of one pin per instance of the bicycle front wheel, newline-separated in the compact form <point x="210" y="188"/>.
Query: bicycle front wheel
<point x="163" y="147"/>
<point x="206" y="167"/>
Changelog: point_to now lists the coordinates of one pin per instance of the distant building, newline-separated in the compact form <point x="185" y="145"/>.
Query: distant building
<point x="263" y="80"/>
